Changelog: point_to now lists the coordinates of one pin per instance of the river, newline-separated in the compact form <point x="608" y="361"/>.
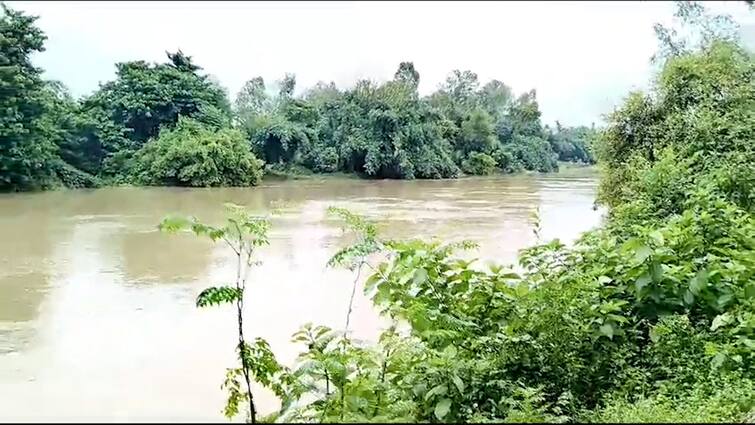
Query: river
<point x="97" y="315"/>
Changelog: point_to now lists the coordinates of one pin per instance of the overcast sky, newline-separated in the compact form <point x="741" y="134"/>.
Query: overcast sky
<point x="581" y="58"/>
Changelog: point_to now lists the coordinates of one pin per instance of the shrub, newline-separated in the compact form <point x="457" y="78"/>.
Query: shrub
<point x="72" y="177"/>
<point x="192" y="155"/>
<point x="478" y="164"/>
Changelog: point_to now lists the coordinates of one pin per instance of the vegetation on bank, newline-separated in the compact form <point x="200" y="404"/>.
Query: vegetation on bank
<point x="130" y="130"/>
<point x="650" y="318"/>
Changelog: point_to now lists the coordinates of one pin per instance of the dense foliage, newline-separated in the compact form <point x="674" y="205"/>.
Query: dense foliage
<point x="193" y="155"/>
<point x="383" y="130"/>
<point x="27" y="156"/>
<point x="650" y="318"/>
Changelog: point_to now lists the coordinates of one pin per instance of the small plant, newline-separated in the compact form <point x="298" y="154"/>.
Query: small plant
<point x="244" y="234"/>
<point x="354" y="257"/>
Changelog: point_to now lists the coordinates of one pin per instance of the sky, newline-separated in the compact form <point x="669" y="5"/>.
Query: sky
<point x="581" y="57"/>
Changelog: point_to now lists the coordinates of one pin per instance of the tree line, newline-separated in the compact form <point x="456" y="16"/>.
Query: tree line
<point x="648" y="318"/>
<point x="171" y="124"/>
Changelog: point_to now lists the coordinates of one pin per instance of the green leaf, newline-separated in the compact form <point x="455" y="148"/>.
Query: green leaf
<point x="458" y="382"/>
<point x="450" y="351"/>
<point x="699" y="282"/>
<point x="657" y="237"/>
<point x="371" y="281"/>
<point x="654" y="337"/>
<point x="420" y="276"/>
<point x="604" y="280"/>
<point x="442" y="408"/>
<point x="408" y="275"/>
<point x="218" y="295"/>
<point x="173" y="223"/>
<point x="642" y="281"/>
<point x="642" y="253"/>
<point x="436" y="390"/>
<point x="656" y="270"/>
<point x="750" y="290"/>
<point x="688" y="297"/>
<point x="724" y="300"/>
<point x="419" y="389"/>
<point x="607" y="330"/>
<point x="720" y="320"/>
<point x="718" y="360"/>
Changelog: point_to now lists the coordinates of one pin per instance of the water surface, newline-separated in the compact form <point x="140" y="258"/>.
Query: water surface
<point x="97" y="315"/>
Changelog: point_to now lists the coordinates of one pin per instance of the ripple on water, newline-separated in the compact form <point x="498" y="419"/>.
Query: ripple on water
<point x="111" y="299"/>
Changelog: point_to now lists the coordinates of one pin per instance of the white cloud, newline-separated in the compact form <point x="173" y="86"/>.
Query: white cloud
<point x="581" y="57"/>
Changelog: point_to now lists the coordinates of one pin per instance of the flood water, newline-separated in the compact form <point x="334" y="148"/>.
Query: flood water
<point x="97" y="315"/>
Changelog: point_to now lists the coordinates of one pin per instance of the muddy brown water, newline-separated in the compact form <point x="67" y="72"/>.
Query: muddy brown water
<point x="97" y="315"/>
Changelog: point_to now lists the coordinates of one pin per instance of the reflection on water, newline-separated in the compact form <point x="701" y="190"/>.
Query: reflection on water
<point x="97" y="316"/>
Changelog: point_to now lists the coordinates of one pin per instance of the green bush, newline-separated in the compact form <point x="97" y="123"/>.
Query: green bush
<point x="322" y="160"/>
<point x="192" y="155"/>
<point x="534" y="153"/>
<point x="478" y="164"/>
<point x="724" y="399"/>
<point x="72" y="177"/>
<point x="650" y="318"/>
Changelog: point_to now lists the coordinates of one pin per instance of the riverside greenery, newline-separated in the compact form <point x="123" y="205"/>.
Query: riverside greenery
<point x="649" y="318"/>
<point x="130" y="130"/>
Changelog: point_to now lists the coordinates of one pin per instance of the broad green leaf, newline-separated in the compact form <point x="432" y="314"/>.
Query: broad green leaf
<point x="458" y="382"/>
<point x="371" y="281"/>
<point x="407" y="276"/>
<point x="436" y="390"/>
<point x="604" y="280"/>
<point x="607" y="330"/>
<point x="642" y="253"/>
<point x="688" y="297"/>
<point x="420" y="276"/>
<point x="442" y="408"/>
<point x="699" y="282"/>
<point x="656" y="270"/>
<point x="450" y="351"/>
<point x="654" y="337"/>
<point x="657" y="236"/>
<point x="419" y="389"/>
<point x="720" y="320"/>
<point x="750" y="290"/>
<point x="724" y="300"/>
<point x="642" y="281"/>
<point x="718" y="360"/>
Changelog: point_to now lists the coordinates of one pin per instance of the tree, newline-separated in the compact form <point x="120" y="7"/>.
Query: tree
<point x="146" y="97"/>
<point x="525" y="115"/>
<point x="694" y="28"/>
<point x="244" y="234"/>
<point x="697" y="121"/>
<point x="462" y="87"/>
<point x="193" y="155"/>
<point x="478" y="133"/>
<point x="572" y="144"/>
<point x="496" y="98"/>
<point x="286" y="86"/>
<point x="252" y="99"/>
<point x="26" y="157"/>
<point x="407" y="74"/>
<point x="182" y="62"/>
<point x="322" y="93"/>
